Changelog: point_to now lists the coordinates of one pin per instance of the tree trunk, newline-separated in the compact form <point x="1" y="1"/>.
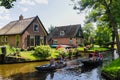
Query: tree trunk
<point x="112" y="44"/>
<point x="115" y="30"/>
<point x="113" y="25"/>
<point x="117" y="40"/>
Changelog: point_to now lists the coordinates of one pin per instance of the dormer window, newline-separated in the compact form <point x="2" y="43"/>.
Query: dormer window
<point x="79" y="33"/>
<point x="62" y="33"/>
<point x="35" y="27"/>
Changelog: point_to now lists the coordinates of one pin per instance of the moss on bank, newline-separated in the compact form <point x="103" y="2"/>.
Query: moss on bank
<point x="113" y="69"/>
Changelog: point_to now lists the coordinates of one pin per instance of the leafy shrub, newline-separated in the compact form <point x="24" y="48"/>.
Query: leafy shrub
<point x="62" y="52"/>
<point x="31" y="48"/>
<point x="42" y="51"/>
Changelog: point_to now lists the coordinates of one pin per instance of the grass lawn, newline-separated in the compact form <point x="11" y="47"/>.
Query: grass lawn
<point x="113" y="68"/>
<point x="99" y="49"/>
<point x="53" y="53"/>
<point x="28" y="55"/>
<point x="96" y="47"/>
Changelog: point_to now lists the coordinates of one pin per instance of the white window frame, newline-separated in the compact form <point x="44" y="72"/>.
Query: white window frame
<point x="55" y="41"/>
<point x="6" y="38"/>
<point x="62" y="33"/>
<point x="34" y="29"/>
<point x="71" y="41"/>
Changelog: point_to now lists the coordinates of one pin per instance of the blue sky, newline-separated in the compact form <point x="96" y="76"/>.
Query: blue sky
<point x="50" y="12"/>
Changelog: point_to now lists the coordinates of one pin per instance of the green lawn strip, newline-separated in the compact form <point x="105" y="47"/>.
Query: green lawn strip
<point x="113" y="68"/>
<point x="80" y="48"/>
<point x="93" y="49"/>
<point x="28" y="55"/>
<point x="98" y="48"/>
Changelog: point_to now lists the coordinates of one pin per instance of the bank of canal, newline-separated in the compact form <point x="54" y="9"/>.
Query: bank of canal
<point x="26" y="71"/>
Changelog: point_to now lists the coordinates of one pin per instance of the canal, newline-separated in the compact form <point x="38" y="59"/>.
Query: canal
<point x="26" y="71"/>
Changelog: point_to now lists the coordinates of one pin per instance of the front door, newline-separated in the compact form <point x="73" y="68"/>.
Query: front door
<point x="37" y="40"/>
<point x="32" y="42"/>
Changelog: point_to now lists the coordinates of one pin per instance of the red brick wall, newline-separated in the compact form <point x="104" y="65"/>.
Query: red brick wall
<point x="65" y="41"/>
<point x="30" y="31"/>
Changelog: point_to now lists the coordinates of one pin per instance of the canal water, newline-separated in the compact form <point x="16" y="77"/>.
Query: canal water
<point x="26" y="71"/>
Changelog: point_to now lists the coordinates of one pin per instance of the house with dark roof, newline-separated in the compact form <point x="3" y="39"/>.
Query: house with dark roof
<point x="23" y="33"/>
<point x="66" y="35"/>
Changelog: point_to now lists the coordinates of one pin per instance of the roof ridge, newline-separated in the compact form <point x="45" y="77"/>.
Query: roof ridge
<point x="22" y="19"/>
<point x="69" y="25"/>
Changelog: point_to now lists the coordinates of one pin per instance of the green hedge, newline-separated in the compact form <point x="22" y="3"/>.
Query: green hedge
<point x="113" y="69"/>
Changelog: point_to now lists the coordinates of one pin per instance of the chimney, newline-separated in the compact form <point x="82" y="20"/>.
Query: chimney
<point x="21" y="17"/>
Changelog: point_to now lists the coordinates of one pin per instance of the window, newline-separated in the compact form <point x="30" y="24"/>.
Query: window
<point x="35" y="27"/>
<point x="6" y="38"/>
<point x="70" y="41"/>
<point x="2" y="39"/>
<point x="62" y="33"/>
<point x="79" y="33"/>
<point x="32" y="40"/>
<point x="42" y="40"/>
<point x="55" y="41"/>
<point x="37" y="40"/>
<point x="17" y="40"/>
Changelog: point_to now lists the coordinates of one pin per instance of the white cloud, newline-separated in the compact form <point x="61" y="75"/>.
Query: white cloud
<point x="41" y="1"/>
<point x="3" y="10"/>
<point x="29" y="2"/>
<point x="33" y="2"/>
<point x="24" y="9"/>
<point x="4" y="14"/>
<point x="5" y="17"/>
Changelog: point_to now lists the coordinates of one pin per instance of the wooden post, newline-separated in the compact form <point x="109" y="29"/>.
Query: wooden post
<point x="3" y="58"/>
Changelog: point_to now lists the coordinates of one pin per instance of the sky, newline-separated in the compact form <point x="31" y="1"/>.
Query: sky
<point x="50" y="12"/>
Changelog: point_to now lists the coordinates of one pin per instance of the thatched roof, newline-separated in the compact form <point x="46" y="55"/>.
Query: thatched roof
<point x="69" y="30"/>
<point x="16" y="27"/>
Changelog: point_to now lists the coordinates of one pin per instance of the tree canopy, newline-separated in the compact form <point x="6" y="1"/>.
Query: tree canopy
<point x="104" y="11"/>
<point x="88" y="31"/>
<point x="7" y="3"/>
<point x="51" y="28"/>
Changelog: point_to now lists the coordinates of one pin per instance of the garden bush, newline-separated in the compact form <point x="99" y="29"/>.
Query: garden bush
<point x="42" y="51"/>
<point x="31" y="48"/>
<point x="62" y="52"/>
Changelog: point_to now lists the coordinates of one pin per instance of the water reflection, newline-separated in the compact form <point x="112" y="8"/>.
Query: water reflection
<point x="26" y="71"/>
<point x="94" y="74"/>
<point x="7" y="70"/>
<point x="29" y="76"/>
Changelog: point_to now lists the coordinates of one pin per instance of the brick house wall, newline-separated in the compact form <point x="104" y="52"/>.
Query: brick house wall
<point x="30" y="31"/>
<point x="65" y="41"/>
<point x="12" y="41"/>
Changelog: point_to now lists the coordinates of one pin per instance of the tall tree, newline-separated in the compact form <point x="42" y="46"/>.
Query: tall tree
<point x="109" y="10"/>
<point x="88" y="31"/>
<point x="103" y="36"/>
<point x="51" y="28"/>
<point x="7" y="3"/>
